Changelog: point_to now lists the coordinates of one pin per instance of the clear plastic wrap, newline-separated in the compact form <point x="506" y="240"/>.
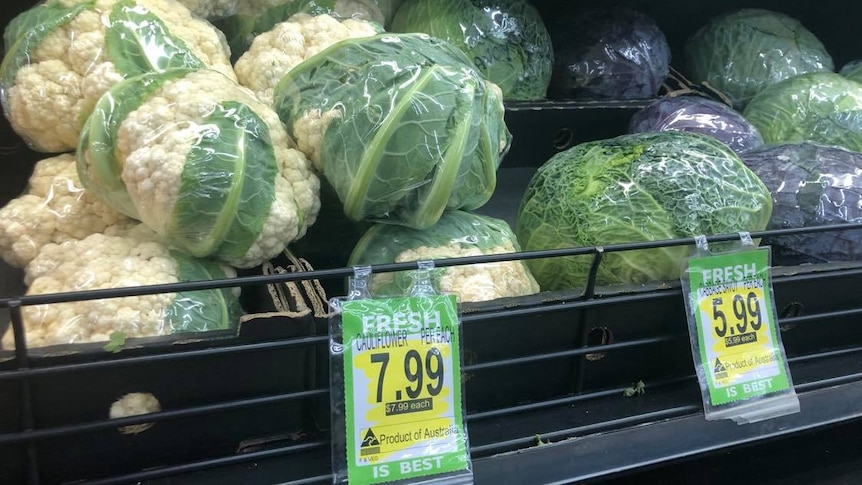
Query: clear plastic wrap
<point x="506" y="39"/>
<point x="819" y="107"/>
<point x="254" y="17"/>
<point x="811" y="185"/>
<point x="291" y="42"/>
<point x="744" y="51"/>
<point x="54" y="208"/>
<point x="612" y="52"/>
<point x="127" y="258"/>
<point x="401" y="125"/>
<point x="697" y="114"/>
<point x="202" y="162"/>
<point x="635" y="188"/>
<point x="212" y="9"/>
<point x="853" y="70"/>
<point x="457" y="234"/>
<point x="62" y="55"/>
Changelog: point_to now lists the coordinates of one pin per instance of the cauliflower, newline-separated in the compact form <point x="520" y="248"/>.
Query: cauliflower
<point x="67" y="53"/>
<point x="135" y="404"/>
<point x="55" y="209"/>
<point x="472" y="283"/>
<point x="279" y="50"/>
<point x="128" y="257"/>
<point x="211" y="9"/>
<point x="201" y="161"/>
<point x="457" y="234"/>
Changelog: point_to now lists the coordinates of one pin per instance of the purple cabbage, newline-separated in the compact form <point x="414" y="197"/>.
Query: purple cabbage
<point x="811" y="185"/>
<point x="697" y="114"/>
<point x="607" y="53"/>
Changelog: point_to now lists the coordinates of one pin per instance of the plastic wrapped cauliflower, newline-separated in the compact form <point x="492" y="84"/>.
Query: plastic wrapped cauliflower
<point x="457" y="234"/>
<point x="254" y="17"/>
<point x="212" y="9"/>
<point x="62" y="55"/>
<point x="129" y="257"/>
<point x="55" y="208"/>
<point x="290" y="43"/>
<point x="201" y="161"/>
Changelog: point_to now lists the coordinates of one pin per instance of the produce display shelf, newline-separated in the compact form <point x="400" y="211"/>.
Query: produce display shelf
<point x="563" y="395"/>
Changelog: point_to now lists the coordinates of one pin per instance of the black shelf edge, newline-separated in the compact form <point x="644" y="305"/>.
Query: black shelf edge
<point x="662" y="443"/>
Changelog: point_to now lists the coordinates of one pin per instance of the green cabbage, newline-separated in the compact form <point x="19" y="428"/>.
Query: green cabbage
<point x="744" y="51"/>
<point x="506" y="39"/>
<point x="401" y="125"/>
<point x="635" y="188"/>
<point x="821" y="107"/>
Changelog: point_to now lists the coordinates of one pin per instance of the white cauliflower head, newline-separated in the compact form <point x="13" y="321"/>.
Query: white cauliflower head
<point x="70" y="65"/>
<point x="474" y="282"/>
<point x="153" y="145"/>
<point x="135" y="404"/>
<point x="54" y="209"/>
<point x="272" y="54"/>
<point x="129" y="257"/>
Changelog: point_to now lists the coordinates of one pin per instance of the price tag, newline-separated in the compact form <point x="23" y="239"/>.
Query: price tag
<point x="740" y="350"/>
<point x="402" y="379"/>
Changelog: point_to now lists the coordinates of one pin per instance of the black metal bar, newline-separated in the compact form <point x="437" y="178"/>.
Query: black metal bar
<point x="571" y="353"/>
<point x="148" y="359"/>
<point x="23" y="363"/>
<point x="30" y="436"/>
<point x="820" y="316"/>
<point x="391" y="267"/>
<point x="204" y="464"/>
<point x="594" y="272"/>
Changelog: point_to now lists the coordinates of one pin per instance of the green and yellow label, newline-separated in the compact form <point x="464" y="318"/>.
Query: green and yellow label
<point x="403" y="388"/>
<point x="741" y="354"/>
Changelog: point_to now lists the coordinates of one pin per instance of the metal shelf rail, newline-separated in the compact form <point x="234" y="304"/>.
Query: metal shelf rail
<point x="530" y="431"/>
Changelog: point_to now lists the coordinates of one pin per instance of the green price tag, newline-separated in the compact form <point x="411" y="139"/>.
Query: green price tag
<point x="402" y="380"/>
<point x="741" y="354"/>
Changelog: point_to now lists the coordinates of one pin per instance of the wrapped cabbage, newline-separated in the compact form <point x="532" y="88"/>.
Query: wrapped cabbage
<point x="608" y="53"/>
<point x="852" y="70"/>
<point x="697" y="114"/>
<point x="202" y="162"/>
<point x="742" y="52"/>
<point x="401" y="125"/>
<point x="811" y="185"/>
<point x="506" y="39"/>
<point x="635" y="188"/>
<point x="254" y="17"/>
<point x="62" y="55"/>
<point x="124" y="257"/>
<point x="820" y="107"/>
<point x="458" y="234"/>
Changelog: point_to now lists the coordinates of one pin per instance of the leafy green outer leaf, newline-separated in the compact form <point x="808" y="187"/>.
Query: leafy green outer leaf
<point x="28" y="29"/>
<point x="383" y="243"/>
<point x="99" y="168"/>
<point x="227" y="186"/>
<point x="506" y="39"/>
<point x="408" y="141"/>
<point x="138" y="42"/>
<point x="636" y="188"/>
<point x="820" y="107"/>
<point x="202" y="310"/>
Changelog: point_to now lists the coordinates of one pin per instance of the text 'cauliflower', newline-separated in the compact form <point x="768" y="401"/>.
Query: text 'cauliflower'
<point x="198" y="159"/>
